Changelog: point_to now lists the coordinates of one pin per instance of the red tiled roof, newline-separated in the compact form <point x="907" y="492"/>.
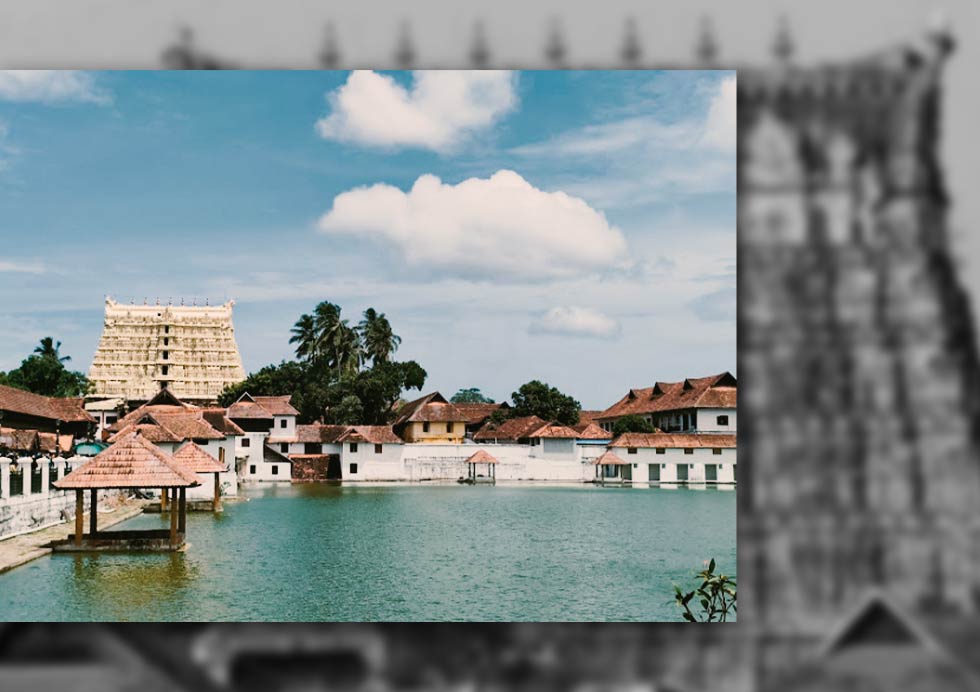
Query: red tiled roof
<point x="554" y="430"/>
<point x="716" y="391"/>
<point x="277" y="405"/>
<point x="610" y="459"/>
<point x="585" y="417"/>
<point x="19" y="440"/>
<point x="674" y="440"/>
<point x="151" y="431"/>
<point x="376" y="434"/>
<point x="49" y="407"/>
<point x="481" y="457"/>
<point x="476" y="413"/>
<point x="132" y="462"/>
<point x="197" y="460"/>
<point x="591" y="431"/>
<point x="218" y="419"/>
<point x="317" y="432"/>
<point x="430" y="408"/>
<point x="511" y="429"/>
<point x="249" y="406"/>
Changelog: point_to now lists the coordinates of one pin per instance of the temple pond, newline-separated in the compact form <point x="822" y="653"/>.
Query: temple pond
<point x="402" y="553"/>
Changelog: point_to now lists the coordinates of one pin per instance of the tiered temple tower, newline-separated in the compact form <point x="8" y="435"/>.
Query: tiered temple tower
<point x="860" y="413"/>
<point x="189" y="350"/>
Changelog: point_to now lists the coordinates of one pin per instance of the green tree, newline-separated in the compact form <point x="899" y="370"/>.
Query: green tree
<point x="50" y="349"/>
<point x="535" y="398"/>
<point x="47" y="375"/>
<point x="380" y="342"/>
<point x="716" y="595"/>
<point x="632" y="423"/>
<point x="304" y="336"/>
<point x="473" y="395"/>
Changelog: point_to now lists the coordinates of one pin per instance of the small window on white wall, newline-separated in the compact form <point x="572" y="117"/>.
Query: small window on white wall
<point x="282" y="422"/>
<point x="722" y="420"/>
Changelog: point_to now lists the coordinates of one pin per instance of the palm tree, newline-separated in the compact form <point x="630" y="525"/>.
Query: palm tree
<point x="346" y="351"/>
<point x="50" y="349"/>
<point x="304" y="336"/>
<point x="379" y="339"/>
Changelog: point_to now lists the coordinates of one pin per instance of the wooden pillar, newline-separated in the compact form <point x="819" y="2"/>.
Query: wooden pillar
<point x="183" y="511"/>
<point x="217" y="493"/>
<point x="163" y="499"/>
<point x="173" y="528"/>
<point x="93" y="516"/>
<point x="79" y="518"/>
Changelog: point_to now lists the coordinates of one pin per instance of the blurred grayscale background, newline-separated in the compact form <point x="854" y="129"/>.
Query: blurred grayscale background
<point x="859" y="266"/>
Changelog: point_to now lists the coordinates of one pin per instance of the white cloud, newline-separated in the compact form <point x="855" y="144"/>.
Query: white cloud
<point x="500" y="227"/>
<point x="438" y="112"/>
<point x="720" y="126"/>
<point x="50" y="86"/>
<point x="645" y="133"/>
<point x="6" y="266"/>
<point x="575" y="321"/>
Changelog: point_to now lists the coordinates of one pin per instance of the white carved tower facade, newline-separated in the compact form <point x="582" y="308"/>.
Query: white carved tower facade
<point x="189" y="350"/>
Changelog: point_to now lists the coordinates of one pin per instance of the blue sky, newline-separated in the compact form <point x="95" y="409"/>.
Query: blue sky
<point x="573" y="227"/>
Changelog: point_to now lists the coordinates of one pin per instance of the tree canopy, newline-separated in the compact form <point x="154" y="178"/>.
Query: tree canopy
<point x="632" y="423"/>
<point x="45" y="373"/>
<point x="535" y="398"/>
<point x="331" y="381"/>
<point x="473" y="395"/>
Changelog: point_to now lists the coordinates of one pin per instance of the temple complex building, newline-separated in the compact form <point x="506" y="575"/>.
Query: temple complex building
<point x="189" y="350"/>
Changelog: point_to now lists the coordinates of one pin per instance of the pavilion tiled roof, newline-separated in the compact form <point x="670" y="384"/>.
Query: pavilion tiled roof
<point x="151" y="431"/>
<point x="675" y="440"/>
<point x="197" y="460"/>
<point x="715" y="391"/>
<point x="52" y="408"/>
<point x="610" y="459"/>
<point x="511" y="429"/>
<point x="375" y="434"/>
<point x="132" y="462"/>
<point x="429" y="408"/>
<point x="481" y="457"/>
<point x="319" y="433"/>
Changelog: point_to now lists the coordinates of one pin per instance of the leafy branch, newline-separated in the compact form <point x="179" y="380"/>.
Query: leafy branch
<point x="716" y="596"/>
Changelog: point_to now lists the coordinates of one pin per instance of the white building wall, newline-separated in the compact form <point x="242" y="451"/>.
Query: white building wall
<point x="361" y="462"/>
<point x="669" y="461"/>
<point x="283" y="426"/>
<point x="708" y="420"/>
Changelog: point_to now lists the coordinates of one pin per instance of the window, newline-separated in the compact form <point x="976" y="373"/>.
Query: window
<point x="166" y="330"/>
<point x="109" y="420"/>
<point x="246" y="442"/>
<point x="165" y="369"/>
<point x="166" y="355"/>
<point x="166" y="341"/>
<point x="689" y="450"/>
<point x="722" y="420"/>
<point x="282" y="422"/>
<point x="353" y="448"/>
<point x="377" y="449"/>
<point x="425" y="426"/>
<point x="631" y="450"/>
<point x="449" y="427"/>
<point x="284" y="447"/>
<point x="275" y="470"/>
<point x="353" y="468"/>
<point x="311" y="447"/>
<point x="661" y="450"/>
<point x="251" y="469"/>
<point x="716" y="451"/>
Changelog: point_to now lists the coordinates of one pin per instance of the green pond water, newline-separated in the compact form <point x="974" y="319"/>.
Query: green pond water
<point x="400" y="553"/>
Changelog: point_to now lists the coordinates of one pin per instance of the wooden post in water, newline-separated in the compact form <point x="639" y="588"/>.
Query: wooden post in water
<point x="79" y="518"/>
<point x="217" y="494"/>
<point x="93" y="517"/>
<point x="163" y="499"/>
<point x="173" y="528"/>
<point x="182" y="527"/>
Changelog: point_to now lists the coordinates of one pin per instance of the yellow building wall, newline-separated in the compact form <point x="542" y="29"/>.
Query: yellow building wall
<point x="437" y="433"/>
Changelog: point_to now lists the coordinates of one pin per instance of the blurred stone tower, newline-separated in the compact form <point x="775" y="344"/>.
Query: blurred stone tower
<point x="189" y="350"/>
<point x="860" y="412"/>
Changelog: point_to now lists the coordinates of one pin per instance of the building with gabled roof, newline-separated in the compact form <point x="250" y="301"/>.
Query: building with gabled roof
<point x="697" y="404"/>
<point x="28" y="411"/>
<point x="431" y="419"/>
<point x="512" y="430"/>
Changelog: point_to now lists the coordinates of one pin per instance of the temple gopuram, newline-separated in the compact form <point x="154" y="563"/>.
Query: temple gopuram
<point x="187" y="349"/>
